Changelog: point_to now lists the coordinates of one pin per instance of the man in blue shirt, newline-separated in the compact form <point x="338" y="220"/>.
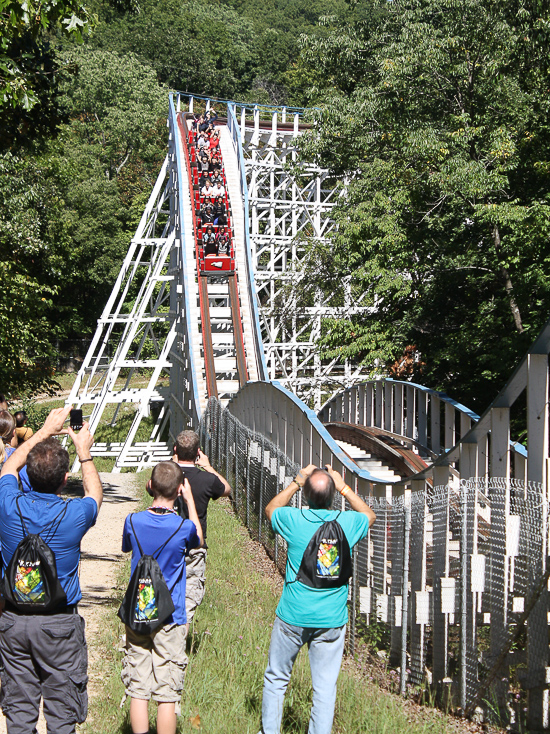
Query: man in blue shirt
<point x="44" y="656"/>
<point x="306" y="615"/>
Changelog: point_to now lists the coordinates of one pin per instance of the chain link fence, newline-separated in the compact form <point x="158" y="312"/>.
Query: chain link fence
<point x="462" y="564"/>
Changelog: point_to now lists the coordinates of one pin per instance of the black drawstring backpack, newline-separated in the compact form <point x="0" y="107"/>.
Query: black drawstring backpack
<point x="326" y="563"/>
<point x="30" y="583"/>
<point x="147" y="603"/>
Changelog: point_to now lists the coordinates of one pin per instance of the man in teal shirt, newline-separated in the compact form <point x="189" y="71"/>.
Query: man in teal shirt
<point x="306" y="615"/>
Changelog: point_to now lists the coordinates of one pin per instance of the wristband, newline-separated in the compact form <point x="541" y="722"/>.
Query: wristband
<point x="298" y="483"/>
<point x="83" y="461"/>
<point x="345" y="489"/>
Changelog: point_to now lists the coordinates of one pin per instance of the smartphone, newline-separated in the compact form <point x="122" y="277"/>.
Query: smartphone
<point x="75" y="419"/>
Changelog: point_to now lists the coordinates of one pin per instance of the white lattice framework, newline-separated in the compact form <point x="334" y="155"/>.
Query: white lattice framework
<point x="145" y="333"/>
<point x="290" y="204"/>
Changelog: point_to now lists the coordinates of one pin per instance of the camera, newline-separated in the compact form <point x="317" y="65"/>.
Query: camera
<point x="75" y="419"/>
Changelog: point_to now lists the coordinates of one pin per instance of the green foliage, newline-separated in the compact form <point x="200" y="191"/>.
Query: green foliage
<point x="376" y="635"/>
<point x="107" y="158"/>
<point x="228" y="49"/>
<point x="29" y="290"/>
<point x="36" y="412"/>
<point x="116" y="106"/>
<point x="440" y="125"/>
<point x="22" y="26"/>
<point x="68" y="212"/>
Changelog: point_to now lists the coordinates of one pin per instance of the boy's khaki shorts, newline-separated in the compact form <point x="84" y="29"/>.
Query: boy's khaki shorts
<point x="154" y="665"/>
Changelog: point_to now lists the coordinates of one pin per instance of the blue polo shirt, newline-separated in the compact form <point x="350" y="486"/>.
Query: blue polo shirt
<point x="152" y="531"/>
<point x="301" y="605"/>
<point x="38" y="511"/>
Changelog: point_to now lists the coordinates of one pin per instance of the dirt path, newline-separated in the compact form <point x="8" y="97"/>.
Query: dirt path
<point x="101" y="555"/>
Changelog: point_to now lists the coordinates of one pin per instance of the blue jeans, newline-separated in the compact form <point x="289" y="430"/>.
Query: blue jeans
<point x="326" y="647"/>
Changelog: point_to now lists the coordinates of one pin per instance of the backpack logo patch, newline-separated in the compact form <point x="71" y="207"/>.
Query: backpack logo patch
<point x="146" y="606"/>
<point x="29" y="585"/>
<point x="328" y="558"/>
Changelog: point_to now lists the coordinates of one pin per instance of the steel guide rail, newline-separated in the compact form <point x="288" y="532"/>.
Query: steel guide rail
<point x="238" y="330"/>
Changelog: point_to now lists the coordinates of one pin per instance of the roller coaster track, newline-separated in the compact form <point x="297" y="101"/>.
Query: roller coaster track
<point x="214" y="286"/>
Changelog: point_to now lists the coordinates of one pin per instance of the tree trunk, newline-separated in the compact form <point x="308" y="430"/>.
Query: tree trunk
<point x="505" y="275"/>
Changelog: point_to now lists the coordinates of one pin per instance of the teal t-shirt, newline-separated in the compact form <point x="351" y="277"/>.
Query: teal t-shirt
<point x="301" y="605"/>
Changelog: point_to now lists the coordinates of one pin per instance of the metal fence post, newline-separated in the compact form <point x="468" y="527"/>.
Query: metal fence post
<point x="420" y="596"/>
<point x="237" y="468"/>
<point x="353" y="601"/>
<point x="277" y="489"/>
<point x="405" y="598"/>
<point x="219" y="442"/>
<point x="443" y="583"/>
<point x="262" y="487"/>
<point x="247" y="484"/>
<point x="464" y="595"/>
<point x="208" y="434"/>
<point x="227" y="424"/>
<point x="397" y="550"/>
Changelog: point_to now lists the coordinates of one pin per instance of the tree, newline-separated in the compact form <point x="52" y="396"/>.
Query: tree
<point x="231" y="48"/>
<point x="68" y="211"/>
<point x="441" y="128"/>
<point x="116" y="105"/>
<point x="23" y="27"/>
<point x="106" y="160"/>
<point x="27" y="347"/>
<point x="191" y="46"/>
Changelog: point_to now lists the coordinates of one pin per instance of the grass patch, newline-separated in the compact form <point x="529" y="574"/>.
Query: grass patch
<point x="228" y="645"/>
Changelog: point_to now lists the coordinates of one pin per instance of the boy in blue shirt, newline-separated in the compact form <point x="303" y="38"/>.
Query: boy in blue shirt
<point x="154" y="665"/>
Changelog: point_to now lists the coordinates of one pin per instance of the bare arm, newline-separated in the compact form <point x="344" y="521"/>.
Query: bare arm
<point x="83" y="442"/>
<point x="355" y="502"/>
<point x="185" y="491"/>
<point x="283" y="498"/>
<point x="204" y="462"/>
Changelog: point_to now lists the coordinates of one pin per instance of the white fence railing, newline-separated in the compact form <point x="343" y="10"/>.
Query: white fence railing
<point x="431" y="418"/>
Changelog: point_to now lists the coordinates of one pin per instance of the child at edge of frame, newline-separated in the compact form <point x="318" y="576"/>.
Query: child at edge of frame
<point x="154" y="664"/>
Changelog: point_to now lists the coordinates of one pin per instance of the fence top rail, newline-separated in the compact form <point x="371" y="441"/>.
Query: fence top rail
<point x="441" y="395"/>
<point x="481" y="424"/>
<point x="316" y="424"/>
